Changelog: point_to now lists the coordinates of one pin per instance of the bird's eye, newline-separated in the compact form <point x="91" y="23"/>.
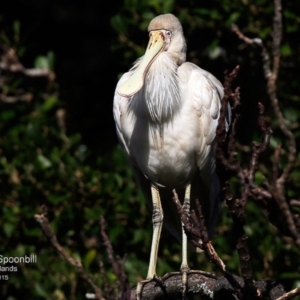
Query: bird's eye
<point x="150" y="33"/>
<point x="168" y="32"/>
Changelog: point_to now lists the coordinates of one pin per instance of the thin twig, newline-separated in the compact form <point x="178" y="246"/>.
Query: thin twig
<point x="227" y="157"/>
<point x="291" y="294"/>
<point x="24" y="97"/>
<point x="10" y="62"/>
<point x="277" y="35"/>
<point x="276" y="164"/>
<point x="48" y="231"/>
<point x="225" y="149"/>
<point x="118" y="267"/>
<point x="278" y="188"/>
<point x="294" y="202"/>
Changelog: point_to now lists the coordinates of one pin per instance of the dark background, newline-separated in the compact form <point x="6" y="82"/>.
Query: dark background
<point x="89" y="57"/>
<point x="80" y="35"/>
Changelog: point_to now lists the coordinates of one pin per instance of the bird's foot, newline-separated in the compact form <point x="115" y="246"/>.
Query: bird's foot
<point x="184" y="272"/>
<point x="141" y="284"/>
<point x="184" y="279"/>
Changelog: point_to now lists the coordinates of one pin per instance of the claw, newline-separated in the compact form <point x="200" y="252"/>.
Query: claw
<point x="139" y="288"/>
<point x="141" y="284"/>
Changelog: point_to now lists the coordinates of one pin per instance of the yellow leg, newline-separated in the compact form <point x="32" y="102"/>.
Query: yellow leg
<point x="157" y="220"/>
<point x="184" y="265"/>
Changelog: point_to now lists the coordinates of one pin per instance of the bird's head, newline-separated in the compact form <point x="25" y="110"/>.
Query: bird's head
<point x="165" y="34"/>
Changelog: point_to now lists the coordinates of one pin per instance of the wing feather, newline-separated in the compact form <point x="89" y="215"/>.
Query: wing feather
<point x="207" y="95"/>
<point x="206" y="92"/>
<point x="119" y="108"/>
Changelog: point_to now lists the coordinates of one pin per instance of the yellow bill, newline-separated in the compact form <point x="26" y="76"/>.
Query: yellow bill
<point x="135" y="82"/>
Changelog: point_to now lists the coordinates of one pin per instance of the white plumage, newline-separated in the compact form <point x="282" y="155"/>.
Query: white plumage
<point x="166" y="112"/>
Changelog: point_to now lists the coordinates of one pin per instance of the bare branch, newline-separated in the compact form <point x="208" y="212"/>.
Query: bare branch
<point x="196" y="231"/>
<point x="256" y="42"/>
<point x="277" y="35"/>
<point x="295" y="202"/>
<point x="278" y="188"/>
<point x="271" y="76"/>
<point x="276" y="164"/>
<point x="10" y="62"/>
<point x="48" y="231"/>
<point x="118" y="267"/>
<point x="225" y="149"/>
<point x="24" y="97"/>
<point x="290" y="295"/>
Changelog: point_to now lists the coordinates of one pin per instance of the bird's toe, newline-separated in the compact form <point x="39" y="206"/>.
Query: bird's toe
<point x="142" y="283"/>
<point x="184" y="279"/>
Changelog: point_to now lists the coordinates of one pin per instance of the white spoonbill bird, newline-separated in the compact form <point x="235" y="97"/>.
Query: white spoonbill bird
<point x="166" y="112"/>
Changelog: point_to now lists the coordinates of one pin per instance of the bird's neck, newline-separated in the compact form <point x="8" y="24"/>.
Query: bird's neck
<point x="162" y="90"/>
